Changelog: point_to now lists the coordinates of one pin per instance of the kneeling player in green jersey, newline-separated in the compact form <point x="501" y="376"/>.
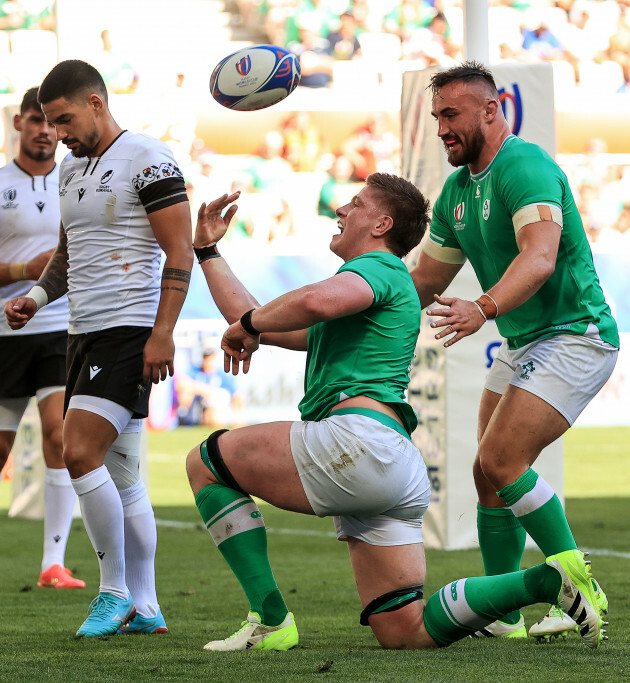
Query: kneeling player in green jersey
<point x="508" y="209"/>
<point x="351" y="456"/>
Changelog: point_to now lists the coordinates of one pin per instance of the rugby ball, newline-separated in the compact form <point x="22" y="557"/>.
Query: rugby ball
<point x="255" y="77"/>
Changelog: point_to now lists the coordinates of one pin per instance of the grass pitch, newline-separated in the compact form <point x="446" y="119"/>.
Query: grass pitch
<point x="201" y="599"/>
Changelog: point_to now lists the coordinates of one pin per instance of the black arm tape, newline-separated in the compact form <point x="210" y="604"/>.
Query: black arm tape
<point x="246" y="323"/>
<point x="390" y="602"/>
<point x="205" y="253"/>
<point x="214" y="461"/>
<point x="156" y="195"/>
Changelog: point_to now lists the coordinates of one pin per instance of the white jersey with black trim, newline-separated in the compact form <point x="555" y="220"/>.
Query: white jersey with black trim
<point x="114" y="258"/>
<point x="29" y="225"/>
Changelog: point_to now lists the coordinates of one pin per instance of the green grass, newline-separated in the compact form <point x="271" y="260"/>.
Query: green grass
<point x="202" y="600"/>
<point x="596" y="462"/>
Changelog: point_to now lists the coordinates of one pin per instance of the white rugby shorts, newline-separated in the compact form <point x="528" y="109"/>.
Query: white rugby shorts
<point x="369" y="477"/>
<point x="565" y="370"/>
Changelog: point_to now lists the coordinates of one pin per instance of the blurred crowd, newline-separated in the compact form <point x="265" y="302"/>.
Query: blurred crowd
<point x="293" y="184"/>
<point x="601" y="187"/>
<point x="23" y="14"/>
<point x="590" y="39"/>
<point x="586" y="41"/>
<point x="297" y="178"/>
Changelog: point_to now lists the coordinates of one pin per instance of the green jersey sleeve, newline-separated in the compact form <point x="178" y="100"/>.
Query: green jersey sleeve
<point x="381" y="274"/>
<point x="532" y="177"/>
<point x="444" y="216"/>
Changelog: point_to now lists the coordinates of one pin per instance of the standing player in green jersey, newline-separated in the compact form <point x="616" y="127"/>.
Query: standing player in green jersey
<point x="351" y="456"/>
<point x="510" y="212"/>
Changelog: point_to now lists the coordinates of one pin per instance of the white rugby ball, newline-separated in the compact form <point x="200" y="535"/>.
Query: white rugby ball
<point x="255" y="77"/>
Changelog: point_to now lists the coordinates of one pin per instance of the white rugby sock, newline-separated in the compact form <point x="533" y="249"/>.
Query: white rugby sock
<point x="140" y="545"/>
<point x="103" y="518"/>
<point x="59" y="500"/>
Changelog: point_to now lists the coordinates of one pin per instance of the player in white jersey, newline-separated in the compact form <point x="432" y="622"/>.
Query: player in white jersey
<point x="122" y="198"/>
<point x="33" y="359"/>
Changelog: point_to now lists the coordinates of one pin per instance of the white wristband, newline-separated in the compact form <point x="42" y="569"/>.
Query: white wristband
<point x="481" y="310"/>
<point x="39" y="296"/>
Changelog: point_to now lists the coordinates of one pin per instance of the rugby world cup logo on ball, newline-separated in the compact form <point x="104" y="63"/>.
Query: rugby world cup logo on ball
<point x="244" y="66"/>
<point x="255" y="77"/>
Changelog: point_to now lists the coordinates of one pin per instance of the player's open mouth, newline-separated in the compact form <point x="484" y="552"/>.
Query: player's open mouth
<point x="340" y="226"/>
<point x="450" y="143"/>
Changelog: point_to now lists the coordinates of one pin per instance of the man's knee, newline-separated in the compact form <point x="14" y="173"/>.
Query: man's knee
<point x="195" y="469"/>
<point x="53" y="437"/>
<point x="79" y="458"/>
<point x="396" y="618"/>
<point x="482" y="484"/>
<point x="402" y="629"/>
<point x="73" y="456"/>
<point x="123" y="460"/>
<point x="204" y="464"/>
<point x="477" y="470"/>
<point x="494" y="460"/>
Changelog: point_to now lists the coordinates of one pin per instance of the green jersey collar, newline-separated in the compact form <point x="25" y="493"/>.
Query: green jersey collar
<point x="480" y="176"/>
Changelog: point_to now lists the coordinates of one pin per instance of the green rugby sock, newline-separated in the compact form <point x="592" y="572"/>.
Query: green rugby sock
<point x="238" y="529"/>
<point x="462" y="607"/>
<point x="501" y="541"/>
<point x="540" y="512"/>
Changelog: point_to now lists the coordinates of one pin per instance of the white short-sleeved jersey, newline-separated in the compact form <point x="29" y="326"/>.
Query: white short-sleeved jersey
<point x="114" y="258"/>
<point x="29" y="225"/>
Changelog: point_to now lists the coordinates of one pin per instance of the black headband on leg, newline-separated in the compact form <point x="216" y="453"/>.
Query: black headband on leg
<point x="213" y="460"/>
<point x="390" y="602"/>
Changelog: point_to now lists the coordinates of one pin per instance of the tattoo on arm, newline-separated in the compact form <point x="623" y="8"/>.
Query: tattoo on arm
<point x="183" y="290"/>
<point x="54" y="279"/>
<point x="176" y="274"/>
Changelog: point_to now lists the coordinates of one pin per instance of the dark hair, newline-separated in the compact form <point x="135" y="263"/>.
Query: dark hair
<point x="70" y="79"/>
<point x="29" y="101"/>
<point x="408" y="208"/>
<point x="466" y="72"/>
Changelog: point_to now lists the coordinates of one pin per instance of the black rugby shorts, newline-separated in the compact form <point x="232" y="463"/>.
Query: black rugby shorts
<point x="108" y="364"/>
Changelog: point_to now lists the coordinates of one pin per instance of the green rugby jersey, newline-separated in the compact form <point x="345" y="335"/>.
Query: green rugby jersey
<point x="368" y="353"/>
<point x="474" y="213"/>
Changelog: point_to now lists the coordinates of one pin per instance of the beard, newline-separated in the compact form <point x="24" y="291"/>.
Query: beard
<point x="84" y="149"/>
<point x="468" y="153"/>
<point x="40" y="154"/>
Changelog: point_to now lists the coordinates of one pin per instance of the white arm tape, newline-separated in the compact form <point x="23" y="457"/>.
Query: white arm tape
<point x="535" y="213"/>
<point x="442" y="254"/>
<point x="39" y="296"/>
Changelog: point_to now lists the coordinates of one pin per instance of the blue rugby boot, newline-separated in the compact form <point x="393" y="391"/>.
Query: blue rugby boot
<point x="145" y="625"/>
<point x="106" y="615"/>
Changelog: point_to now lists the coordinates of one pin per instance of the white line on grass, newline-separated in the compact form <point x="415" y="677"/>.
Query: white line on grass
<point x="609" y="553"/>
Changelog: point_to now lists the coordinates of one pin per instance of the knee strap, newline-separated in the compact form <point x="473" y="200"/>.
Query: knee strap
<point x="213" y="460"/>
<point x="390" y="602"/>
<point x="123" y="460"/>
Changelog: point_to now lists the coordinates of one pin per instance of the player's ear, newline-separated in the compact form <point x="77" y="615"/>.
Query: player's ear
<point x="491" y="109"/>
<point x="17" y="122"/>
<point x="96" y="102"/>
<point x="385" y="224"/>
